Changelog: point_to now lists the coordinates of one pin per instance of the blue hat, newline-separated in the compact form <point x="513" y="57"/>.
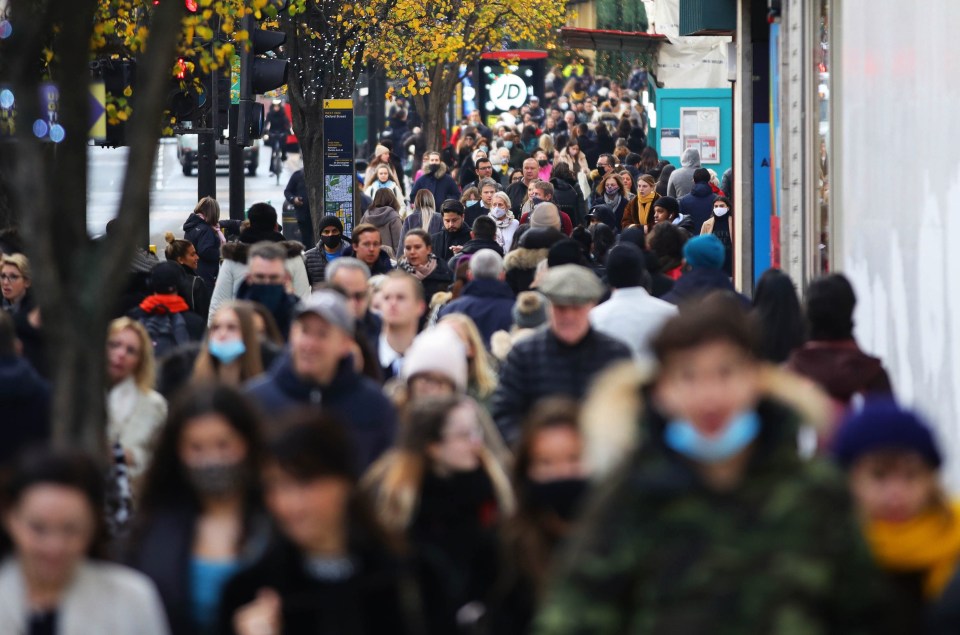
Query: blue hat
<point x="704" y="251"/>
<point x="883" y="425"/>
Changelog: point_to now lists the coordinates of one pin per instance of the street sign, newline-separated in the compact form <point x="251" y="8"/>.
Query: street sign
<point x="98" y="111"/>
<point x="338" y="167"/>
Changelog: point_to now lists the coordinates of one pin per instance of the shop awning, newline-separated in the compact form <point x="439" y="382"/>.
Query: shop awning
<point x="606" y="39"/>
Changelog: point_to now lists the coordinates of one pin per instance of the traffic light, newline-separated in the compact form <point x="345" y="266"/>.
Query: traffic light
<point x="261" y="70"/>
<point x="119" y="77"/>
<point x="186" y="96"/>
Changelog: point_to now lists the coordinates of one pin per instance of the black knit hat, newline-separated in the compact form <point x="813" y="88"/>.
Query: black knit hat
<point x="880" y="426"/>
<point x="565" y="252"/>
<point x="330" y="221"/>
<point x="668" y="203"/>
<point x="165" y="277"/>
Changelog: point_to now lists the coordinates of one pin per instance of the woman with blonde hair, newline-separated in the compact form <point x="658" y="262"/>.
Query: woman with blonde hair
<point x="423" y="215"/>
<point x="506" y="223"/>
<point x="135" y="411"/>
<point x="639" y="211"/>
<point x="230" y="354"/>
<point x="442" y="488"/>
<point x="481" y="376"/>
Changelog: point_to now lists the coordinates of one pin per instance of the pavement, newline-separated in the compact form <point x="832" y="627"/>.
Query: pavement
<point x="172" y="195"/>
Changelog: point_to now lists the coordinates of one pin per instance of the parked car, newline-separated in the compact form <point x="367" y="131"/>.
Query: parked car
<point x="187" y="154"/>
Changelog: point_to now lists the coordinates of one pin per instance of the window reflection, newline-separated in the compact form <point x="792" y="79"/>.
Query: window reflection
<point x="821" y="60"/>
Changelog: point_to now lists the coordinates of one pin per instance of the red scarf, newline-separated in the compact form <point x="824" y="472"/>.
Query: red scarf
<point x="164" y="303"/>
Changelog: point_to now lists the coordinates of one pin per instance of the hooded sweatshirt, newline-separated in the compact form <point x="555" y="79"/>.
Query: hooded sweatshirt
<point x="388" y="223"/>
<point x="681" y="180"/>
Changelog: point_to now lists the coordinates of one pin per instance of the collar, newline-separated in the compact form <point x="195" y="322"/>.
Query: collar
<point x="159" y="303"/>
<point x="630" y="293"/>
<point x="387" y="355"/>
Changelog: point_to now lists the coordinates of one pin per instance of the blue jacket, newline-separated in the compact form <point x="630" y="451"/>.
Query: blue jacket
<point x="489" y="303"/>
<point x="353" y="399"/>
<point x="698" y="205"/>
<point x="441" y="185"/>
<point x="699" y="282"/>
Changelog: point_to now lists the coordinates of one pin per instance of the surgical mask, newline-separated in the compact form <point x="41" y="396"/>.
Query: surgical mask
<point x="227" y="351"/>
<point x="564" y="105"/>
<point x="542" y="163"/>
<point x="269" y="295"/>
<point x="562" y="497"/>
<point x="508" y="144"/>
<point x="536" y="200"/>
<point x="612" y="189"/>
<point x="685" y="439"/>
<point x="483" y="148"/>
<point x="499" y="212"/>
<point x="721" y="211"/>
<point x="472" y="203"/>
<point x="215" y="480"/>
<point x="331" y="241"/>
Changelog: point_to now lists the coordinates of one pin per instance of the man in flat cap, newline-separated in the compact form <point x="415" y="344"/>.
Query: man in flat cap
<point x="318" y="371"/>
<point x="560" y="359"/>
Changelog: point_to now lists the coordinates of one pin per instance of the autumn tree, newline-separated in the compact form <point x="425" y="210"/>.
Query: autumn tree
<point x="425" y="44"/>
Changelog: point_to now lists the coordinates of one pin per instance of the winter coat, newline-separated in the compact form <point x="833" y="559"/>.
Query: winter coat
<point x="597" y="199"/>
<point x="415" y="221"/>
<point x="520" y="266"/>
<point x="541" y="365"/>
<point x="699" y="282"/>
<point x="207" y="243"/>
<point x="841" y="369"/>
<point x="635" y="212"/>
<point x="443" y="240"/>
<point x="489" y="303"/>
<point x="726" y="237"/>
<point x="441" y="185"/>
<point x="383" y="264"/>
<point x="25" y="404"/>
<point x="157" y="305"/>
<point x="439" y="279"/>
<point x="379" y="597"/>
<point x="657" y="548"/>
<point x="518" y="194"/>
<point x="235" y="269"/>
<point x="101" y="598"/>
<point x="134" y="418"/>
<point x="163" y="550"/>
<point x="195" y="291"/>
<point x="369" y="416"/>
<point x="474" y="245"/>
<point x="388" y="223"/>
<point x="371" y="191"/>
<point x="632" y="316"/>
<point x="568" y="198"/>
<point x="316" y="261"/>
<point x="698" y="205"/>
<point x="681" y="179"/>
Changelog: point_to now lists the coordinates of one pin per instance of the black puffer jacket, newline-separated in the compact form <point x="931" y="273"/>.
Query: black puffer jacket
<point x="541" y="365"/>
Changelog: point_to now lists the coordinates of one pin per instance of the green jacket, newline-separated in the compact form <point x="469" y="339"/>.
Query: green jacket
<point x="659" y="552"/>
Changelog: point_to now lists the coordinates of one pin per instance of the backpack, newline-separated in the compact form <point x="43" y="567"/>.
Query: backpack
<point x="167" y="331"/>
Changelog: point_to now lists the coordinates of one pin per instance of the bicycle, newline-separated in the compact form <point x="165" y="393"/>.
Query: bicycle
<point x="276" y="154"/>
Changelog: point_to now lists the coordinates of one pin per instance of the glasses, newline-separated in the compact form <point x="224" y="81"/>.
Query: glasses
<point x="356" y="297"/>
<point x="259" y="278"/>
<point x="10" y="277"/>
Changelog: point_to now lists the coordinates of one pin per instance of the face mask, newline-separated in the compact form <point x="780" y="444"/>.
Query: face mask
<point x="561" y="497"/>
<point x="472" y="203"/>
<point x="484" y="148"/>
<point x="684" y="439"/>
<point x="216" y="479"/>
<point x="542" y="163"/>
<point x="269" y="295"/>
<point x="499" y="212"/>
<point x="387" y="183"/>
<point x="612" y="189"/>
<point x="227" y="351"/>
<point x="536" y="200"/>
<point x="331" y="241"/>
<point x="433" y="167"/>
<point x="721" y="211"/>
<point x="508" y="144"/>
<point x="564" y="105"/>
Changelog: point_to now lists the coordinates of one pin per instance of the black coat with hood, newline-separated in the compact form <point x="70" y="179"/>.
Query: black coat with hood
<point x="443" y="240"/>
<point x="25" y="404"/>
<point x="207" y="244"/>
<point x="698" y="205"/>
<point x="440" y="184"/>
<point x="569" y="199"/>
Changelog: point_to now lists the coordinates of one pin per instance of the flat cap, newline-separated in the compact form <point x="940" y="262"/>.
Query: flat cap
<point x="571" y="285"/>
<point x="330" y="306"/>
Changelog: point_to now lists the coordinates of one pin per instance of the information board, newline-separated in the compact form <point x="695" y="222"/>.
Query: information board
<point x="338" y="161"/>
<point x="700" y="130"/>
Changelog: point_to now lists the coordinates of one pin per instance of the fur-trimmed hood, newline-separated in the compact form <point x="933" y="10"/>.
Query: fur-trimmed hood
<point x="238" y="252"/>
<point x="610" y="418"/>
<point x="523" y="258"/>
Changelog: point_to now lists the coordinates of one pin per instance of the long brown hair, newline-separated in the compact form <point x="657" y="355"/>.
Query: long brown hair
<point x="206" y="368"/>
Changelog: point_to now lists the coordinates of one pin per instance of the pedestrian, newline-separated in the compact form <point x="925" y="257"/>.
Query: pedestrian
<point x="698" y="204"/>
<point x="135" y="412"/>
<point x="486" y="299"/>
<point x="443" y="490"/>
<point x="550" y="481"/>
<point x="192" y="287"/>
<point x="692" y="510"/>
<point x="262" y="228"/>
<point x="55" y="578"/>
<point x="265" y="283"/>
<point x="200" y="517"/>
<point x="666" y="242"/>
<point x="434" y="365"/>
<point x="660" y="284"/>
<point x="831" y="356"/>
<point x="332" y="245"/>
<point x="297" y="195"/>
<point x="481" y="372"/>
<point x="639" y="211"/>
<point x="522" y="261"/>
<point x="892" y="461"/>
<point x="403" y="305"/>
<point x="318" y="370"/>
<point x="24" y="397"/>
<point x="559" y="360"/>
<point x="720" y="224"/>
<point x="448" y="242"/>
<point x="423" y="215"/>
<point x="382" y="156"/>
<point x="165" y="313"/>
<point x="385" y="179"/>
<point x="15" y="282"/>
<point x="351" y="278"/>
<point x="631" y="315"/>
<point x="506" y="224"/>
<point x="778" y="313"/>
<point x="330" y="569"/>
<point x="680" y="180"/>
<point x="611" y="191"/>
<point x="703" y="259"/>
<point x="202" y="229"/>
<point x="420" y="262"/>
<point x="369" y="249"/>
<point x="232" y="353"/>
<point x="436" y="181"/>
<point x="384" y="215"/>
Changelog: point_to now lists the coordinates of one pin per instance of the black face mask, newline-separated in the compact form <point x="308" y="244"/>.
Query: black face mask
<point x="331" y="241"/>
<point x="433" y="167"/>
<point x="562" y="497"/>
<point x="269" y="295"/>
<point x="543" y="163"/>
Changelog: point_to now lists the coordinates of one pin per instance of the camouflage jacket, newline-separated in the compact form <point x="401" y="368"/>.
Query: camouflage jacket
<point x="659" y="552"/>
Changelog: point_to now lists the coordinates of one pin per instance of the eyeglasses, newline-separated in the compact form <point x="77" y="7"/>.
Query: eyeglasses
<point x="356" y="297"/>
<point x="259" y="278"/>
<point x="10" y="277"/>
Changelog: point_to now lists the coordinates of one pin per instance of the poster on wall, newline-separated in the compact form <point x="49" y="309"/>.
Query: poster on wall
<point x="700" y="130"/>
<point x="670" y="145"/>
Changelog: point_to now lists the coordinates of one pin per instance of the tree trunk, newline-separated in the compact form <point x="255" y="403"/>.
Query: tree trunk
<point x="75" y="280"/>
<point x="433" y="109"/>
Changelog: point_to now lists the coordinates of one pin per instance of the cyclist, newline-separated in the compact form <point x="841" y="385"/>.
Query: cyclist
<point x="277" y="128"/>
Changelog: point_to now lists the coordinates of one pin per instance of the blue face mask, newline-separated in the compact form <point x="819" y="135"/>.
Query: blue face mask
<point x="536" y="200"/>
<point x="684" y="439"/>
<point x="227" y="351"/>
<point x="472" y="203"/>
<point x="508" y="144"/>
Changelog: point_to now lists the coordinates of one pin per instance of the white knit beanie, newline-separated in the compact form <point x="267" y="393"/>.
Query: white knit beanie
<point x="437" y="350"/>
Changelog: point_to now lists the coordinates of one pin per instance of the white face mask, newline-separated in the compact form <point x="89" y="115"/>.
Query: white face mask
<point x="721" y="211"/>
<point x="499" y="212"/>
